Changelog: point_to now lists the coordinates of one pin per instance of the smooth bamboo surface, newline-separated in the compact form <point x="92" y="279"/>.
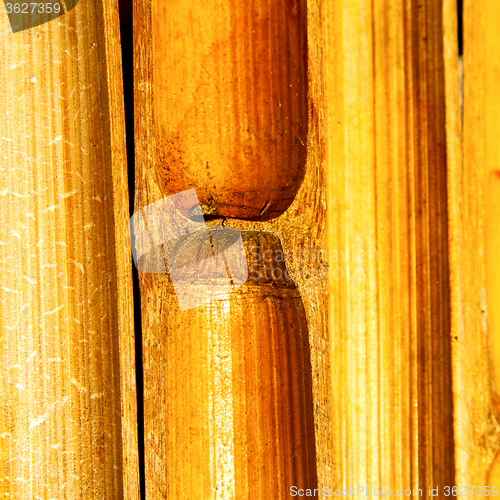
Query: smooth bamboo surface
<point x="492" y="246"/>
<point x="491" y="202"/>
<point x="299" y="229"/>
<point x="230" y="102"/>
<point x="475" y="191"/>
<point x="228" y="395"/>
<point x="387" y="240"/>
<point x="67" y="381"/>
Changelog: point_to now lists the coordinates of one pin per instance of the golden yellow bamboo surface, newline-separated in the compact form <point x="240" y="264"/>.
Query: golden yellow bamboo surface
<point x="377" y="365"/>
<point x="67" y="408"/>
<point x="387" y="66"/>
<point x="475" y="191"/>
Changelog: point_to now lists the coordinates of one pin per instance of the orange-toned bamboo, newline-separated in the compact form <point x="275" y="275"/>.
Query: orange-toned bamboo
<point x="221" y="107"/>
<point x="492" y="244"/>
<point x="230" y="102"/>
<point x="228" y="397"/>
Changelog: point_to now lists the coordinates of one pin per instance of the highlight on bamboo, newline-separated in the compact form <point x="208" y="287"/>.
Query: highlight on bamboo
<point x="249" y="249"/>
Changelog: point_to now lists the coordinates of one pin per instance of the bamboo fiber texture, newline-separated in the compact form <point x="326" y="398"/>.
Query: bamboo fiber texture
<point x="67" y="409"/>
<point x="475" y="192"/>
<point x="387" y="66"/>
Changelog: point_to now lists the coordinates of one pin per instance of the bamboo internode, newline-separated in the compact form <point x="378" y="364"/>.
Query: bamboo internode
<point x="475" y="192"/>
<point x="230" y="102"/>
<point x="228" y="394"/>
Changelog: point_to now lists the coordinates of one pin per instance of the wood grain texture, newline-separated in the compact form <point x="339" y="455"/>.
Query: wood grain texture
<point x="67" y="381"/>
<point x="474" y="191"/>
<point x="231" y="102"/>
<point x="300" y="228"/>
<point x="228" y="395"/>
<point x="387" y="243"/>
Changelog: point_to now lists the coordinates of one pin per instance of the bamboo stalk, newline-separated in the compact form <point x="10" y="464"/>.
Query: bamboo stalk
<point x="491" y="201"/>
<point x="67" y="384"/>
<point x="476" y="205"/>
<point x="299" y="228"/>
<point x="492" y="246"/>
<point x="387" y="243"/>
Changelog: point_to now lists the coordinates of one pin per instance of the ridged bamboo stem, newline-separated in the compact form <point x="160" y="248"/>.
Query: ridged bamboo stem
<point x="67" y="381"/>
<point x="387" y="243"/>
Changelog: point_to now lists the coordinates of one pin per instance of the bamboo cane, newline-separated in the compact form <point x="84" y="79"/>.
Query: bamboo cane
<point x="491" y="208"/>
<point x="67" y="383"/>
<point x="478" y="194"/>
<point x="387" y="243"/>
<point x="492" y="244"/>
<point x="299" y="227"/>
